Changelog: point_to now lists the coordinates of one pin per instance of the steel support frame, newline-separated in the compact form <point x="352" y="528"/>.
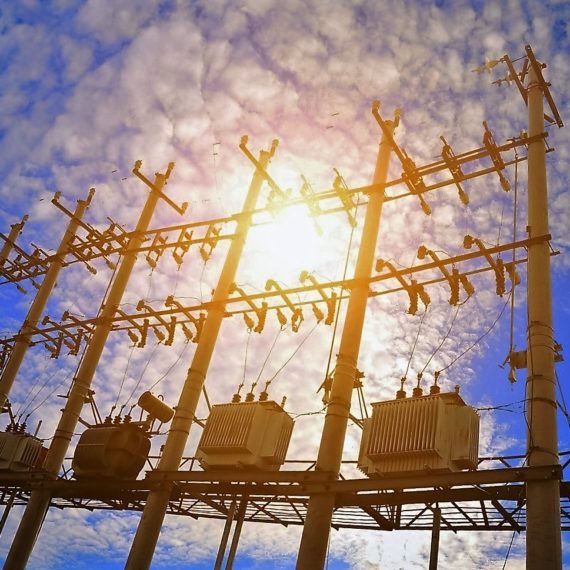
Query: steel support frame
<point x="469" y="501"/>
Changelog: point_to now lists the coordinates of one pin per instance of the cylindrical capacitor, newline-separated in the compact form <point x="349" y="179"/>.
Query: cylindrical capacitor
<point x="155" y="407"/>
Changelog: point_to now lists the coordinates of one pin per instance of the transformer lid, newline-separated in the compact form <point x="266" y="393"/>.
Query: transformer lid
<point x="447" y="397"/>
<point x="271" y="404"/>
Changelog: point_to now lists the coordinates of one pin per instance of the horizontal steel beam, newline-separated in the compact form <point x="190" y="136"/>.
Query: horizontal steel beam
<point x="293" y="483"/>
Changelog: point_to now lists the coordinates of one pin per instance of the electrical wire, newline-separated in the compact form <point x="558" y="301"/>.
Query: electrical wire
<point x="146" y="298"/>
<point x="124" y="376"/>
<point x="34" y="386"/>
<point x="201" y="282"/>
<point x="245" y="357"/>
<point x="500" y="227"/>
<point x="501" y="407"/>
<point x="339" y="306"/>
<point x="89" y="336"/>
<point x="51" y="393"/>
<point x="66" y="377"/>
<point x="141" y="376"/>
<point x="109" y="284"/>
<point x="415" y="344"/>
<point x="511" y="542"/>
<point x="315" y="413"/>
<point x="509" y="549"/>
<point x="530" y="370"/>
<point x="462" y="354"/>
<point x="214" y="154"/>
<point x="562" y="405"/>
<point x="268" y="355"/>
<point x="298" y="347"/>
<point x="171" y="366"/>
<point x="513" y="255"/>
<point x="176" y="280"/>
<point x="564" y="413"/>
<point x="442" y="341"/>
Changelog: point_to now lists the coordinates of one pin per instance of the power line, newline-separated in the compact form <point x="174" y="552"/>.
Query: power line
<point x="293" y="353"/>
<point x="462" y="354"/>
<point x="344" y="273"/>
<point x="442" y="341"/>
<point x="171" y="366"/>
<point x="415" y="343"/>
<point x="141" y="376"/>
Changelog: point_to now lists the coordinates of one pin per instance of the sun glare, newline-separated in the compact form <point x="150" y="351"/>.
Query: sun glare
<point x="288" y="244"/>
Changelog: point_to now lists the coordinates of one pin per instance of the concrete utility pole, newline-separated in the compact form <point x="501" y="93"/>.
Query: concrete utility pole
<point x="38" y="504"/>
<point x="9" y="243"/>
<point x="37" y="308"/>
<point x="543" y="497"/>
<point x="313" y="548"/>
<point x="142" y="549"/>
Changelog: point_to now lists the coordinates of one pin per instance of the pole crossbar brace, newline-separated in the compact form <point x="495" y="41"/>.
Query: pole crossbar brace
<point x="136" y="321"/>
<point x="99" y="244"/>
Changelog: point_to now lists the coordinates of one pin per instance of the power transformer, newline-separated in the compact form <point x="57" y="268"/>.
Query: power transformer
<point x="20" y="451"/>
<point x="111" y="451"/>
<point x="438" y="432"/>
<point x="245" y="435"/>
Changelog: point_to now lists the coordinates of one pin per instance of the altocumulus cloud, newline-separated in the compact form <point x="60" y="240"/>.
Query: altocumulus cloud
<point x="90" y="87"/>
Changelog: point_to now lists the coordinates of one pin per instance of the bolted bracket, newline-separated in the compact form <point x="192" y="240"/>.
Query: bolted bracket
<point x="297" y="314"/>
<point x="260" y="312"/>
<point x="414" y="289"/>
<point x="163" y="177"/>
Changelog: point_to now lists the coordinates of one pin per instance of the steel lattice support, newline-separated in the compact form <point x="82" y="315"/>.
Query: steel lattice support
<point x="485" y="500"/>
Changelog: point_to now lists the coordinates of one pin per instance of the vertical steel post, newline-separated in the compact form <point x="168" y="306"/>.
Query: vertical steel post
<point x="7" y="509"/>
<point x="37" y="307"/>
<point x="237" y="533"/>
<point x="314" y="541"/>
<point x="142" y="549"/>
<point x="38" y="505"/>
<point x="434" y="551"/>
<point x="543" y="497"/>
<point x="225" y="536"/>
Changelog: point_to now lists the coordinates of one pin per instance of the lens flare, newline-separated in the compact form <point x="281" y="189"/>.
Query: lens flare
<point x="286" y="245"/>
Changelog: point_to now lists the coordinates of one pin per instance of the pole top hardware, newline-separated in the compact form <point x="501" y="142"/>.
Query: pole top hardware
<point x="518" y="77"/>
<point x="163" y="177"/>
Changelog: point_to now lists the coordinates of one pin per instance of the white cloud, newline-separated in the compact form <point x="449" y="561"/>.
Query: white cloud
<point x="112" y="23"/>
<point x="144" y="83"/>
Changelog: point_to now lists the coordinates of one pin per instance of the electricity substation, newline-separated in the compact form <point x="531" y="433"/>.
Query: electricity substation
<point x="419" y="452"/>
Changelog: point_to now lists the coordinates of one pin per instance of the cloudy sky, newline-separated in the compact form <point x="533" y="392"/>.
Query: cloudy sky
<point x="89" y="87"/>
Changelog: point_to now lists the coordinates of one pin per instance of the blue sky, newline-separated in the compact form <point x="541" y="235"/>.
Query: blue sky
<point x="87" y="88"/>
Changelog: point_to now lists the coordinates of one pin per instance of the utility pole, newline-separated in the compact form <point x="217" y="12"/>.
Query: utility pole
<point x="543" y="497"/>
<point x="9" y="243"/>
<point x="37" y="507"/>
<point x="142" y="549"/>
<point x="37" y="308"/>
<point x="314" y="541"/>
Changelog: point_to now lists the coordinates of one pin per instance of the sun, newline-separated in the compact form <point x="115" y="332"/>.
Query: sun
<point x="288" y="242"/>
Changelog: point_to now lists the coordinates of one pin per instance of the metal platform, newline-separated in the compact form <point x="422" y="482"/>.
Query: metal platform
<point x="486" y="499"/>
